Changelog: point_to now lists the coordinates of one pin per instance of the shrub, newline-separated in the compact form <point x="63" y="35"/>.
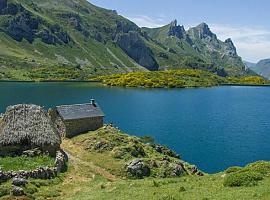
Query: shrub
<point x="246" y="179"/>
<point x="261" y="167"/>
<point x="4" y="190"/>
<point x="233" y="169"/>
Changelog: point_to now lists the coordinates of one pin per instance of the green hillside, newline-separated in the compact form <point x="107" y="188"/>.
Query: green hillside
<point x="64" y="40"/>
<point x="200" y="44"/>
<point x="97" y="170"/>
<point x="71" y="34"/>
<point x="262" y="68"/>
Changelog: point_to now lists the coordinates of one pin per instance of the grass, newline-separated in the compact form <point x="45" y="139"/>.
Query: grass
<point x="25" y="163"/>
<point x="94" y="173"/>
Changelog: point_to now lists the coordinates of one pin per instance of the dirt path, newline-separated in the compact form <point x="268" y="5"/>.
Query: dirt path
<point x="76" y="161"/>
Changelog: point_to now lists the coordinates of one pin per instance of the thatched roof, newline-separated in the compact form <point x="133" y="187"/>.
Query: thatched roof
<point x="28" y="125"/>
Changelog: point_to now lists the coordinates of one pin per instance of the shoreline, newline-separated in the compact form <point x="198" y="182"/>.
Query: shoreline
<point x="98" y="81"/>
<point x="50" y="81"/>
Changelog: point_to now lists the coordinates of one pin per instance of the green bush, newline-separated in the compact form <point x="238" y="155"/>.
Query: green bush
<point x="246" y="179"/>
<point x="233" y="169"/>
<point x="4" y="190"/>
<point x="261" y="167"/>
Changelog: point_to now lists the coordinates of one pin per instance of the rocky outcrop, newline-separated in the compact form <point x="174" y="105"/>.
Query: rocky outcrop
<point x="202" y="31"/>
<point x="135" y="47"/>
<point x="25" y="25"/>
<point x="230" y="49"/>
<point x="178" y="31"/>
<point x="137" y="169"/>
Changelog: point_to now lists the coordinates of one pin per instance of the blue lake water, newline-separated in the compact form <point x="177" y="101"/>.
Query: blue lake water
<point x="213" y="128"/>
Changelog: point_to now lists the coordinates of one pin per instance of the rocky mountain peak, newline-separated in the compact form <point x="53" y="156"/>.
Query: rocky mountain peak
<point x="174" y="23"/>
<point x="230" y="48"/>
<point x="205" y="30"/>
<point x="202" y="31"/>
<point x="177" y="30"/>
<point x="229" y="41"/>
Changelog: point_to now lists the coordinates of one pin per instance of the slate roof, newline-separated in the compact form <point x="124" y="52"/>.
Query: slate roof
<point x="79" y="111"/>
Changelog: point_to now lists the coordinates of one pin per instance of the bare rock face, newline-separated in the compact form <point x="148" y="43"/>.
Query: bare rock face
<point x="178" y="31"/>
<point x="230" y="49"/>
<point x="135" y="47"/>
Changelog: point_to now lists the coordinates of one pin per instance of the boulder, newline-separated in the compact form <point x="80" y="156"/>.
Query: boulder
<point x="178" y="170"/>
<point x="16" y="191"/>
<point x="19" y="181"/>
<point x="138" y="169"/>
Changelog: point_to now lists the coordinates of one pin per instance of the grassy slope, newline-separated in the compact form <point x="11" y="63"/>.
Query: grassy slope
<point x="94" y="54"/>
<point x="18" y="58"/>
<point x="97" y="175"/>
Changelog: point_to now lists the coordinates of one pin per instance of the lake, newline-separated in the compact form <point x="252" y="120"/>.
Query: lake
<point x="213" y="128"/>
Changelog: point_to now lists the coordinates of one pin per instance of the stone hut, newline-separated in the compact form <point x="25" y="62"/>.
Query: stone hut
<point x="25" y="127"/>
<point x="72" y="120"/>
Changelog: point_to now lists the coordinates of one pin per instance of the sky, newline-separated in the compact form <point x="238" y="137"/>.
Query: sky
<point x="247" y="22"/>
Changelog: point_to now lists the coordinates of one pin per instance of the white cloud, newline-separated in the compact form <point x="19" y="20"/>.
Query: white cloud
<point x="145" y="21"/>
<point x="252" y="43"/>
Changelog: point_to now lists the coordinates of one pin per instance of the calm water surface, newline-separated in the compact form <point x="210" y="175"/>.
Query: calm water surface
<point x="213" y="128"/>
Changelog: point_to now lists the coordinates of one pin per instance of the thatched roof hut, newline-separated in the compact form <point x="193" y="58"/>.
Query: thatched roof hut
<point x="25" y="127"/>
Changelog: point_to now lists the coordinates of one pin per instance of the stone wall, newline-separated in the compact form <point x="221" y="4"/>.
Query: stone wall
<point x="40" y="173"/>
<point x="17" y="150"/>
<point x="79" y="126"/>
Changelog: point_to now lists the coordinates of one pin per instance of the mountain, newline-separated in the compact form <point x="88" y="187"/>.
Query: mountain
<point x="200" y="43"/>
<point x="249" y="64"/>
<point x="262" y="68"/>
<point x="75" y="36"/>
<point x="73" y="39"/>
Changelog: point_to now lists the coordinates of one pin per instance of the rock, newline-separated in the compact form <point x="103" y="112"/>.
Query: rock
<point x="165" y="151"/>
<point x="202" y="31"/>
<point x="137" y="168"/>
<point x="230" y="49"/>
<point x="195" y="171"/>
<point x="18" y="181"/>
<point x="32" y="152"/>
<point x="178" y="170"/>
<point x="135" y="47"/>
<point x="178" y="31"/>
<point x="60" y="161"/>
<point x="16" y="191"/>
